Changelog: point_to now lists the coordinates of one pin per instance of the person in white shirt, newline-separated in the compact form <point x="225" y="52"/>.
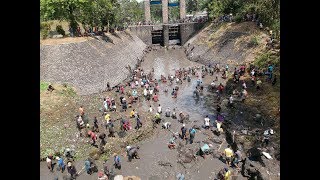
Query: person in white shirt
<point x="151" y="91"/>
<point x="207" y="122"/>
<point x="231" y="101"/>
<point x="252" y="72"/>
<point x="159" y="109"/>
<point x="145" y="92"/>
<point x="244" y="85"/>
<point x="150" y="109"/>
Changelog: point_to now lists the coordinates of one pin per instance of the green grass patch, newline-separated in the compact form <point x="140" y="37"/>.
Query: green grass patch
<point x="68" y="91"/>
<point x="266" y="58"/>
<point x="254" y="41"/>
<point x="43" y="86"/>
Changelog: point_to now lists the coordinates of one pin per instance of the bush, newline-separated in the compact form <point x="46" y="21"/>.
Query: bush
<point x="238" y="18"/>
<point x="253" y="42"/>
<point x="267" y="58"/>
<point x="44" y="29"/>
<point x="60" y="30"/>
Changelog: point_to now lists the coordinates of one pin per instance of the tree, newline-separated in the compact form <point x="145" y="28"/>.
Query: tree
<point x="62" y="10"/>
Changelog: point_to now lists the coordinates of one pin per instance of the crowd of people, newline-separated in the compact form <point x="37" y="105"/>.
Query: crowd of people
<point x="143" y="87"/>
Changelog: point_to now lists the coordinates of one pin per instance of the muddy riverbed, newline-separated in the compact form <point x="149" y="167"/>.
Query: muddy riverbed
<point x="154" y="149"/>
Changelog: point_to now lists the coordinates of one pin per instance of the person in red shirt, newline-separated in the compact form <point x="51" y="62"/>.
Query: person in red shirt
<point x="220" y="88"/>
<point x="155" y="97"/>
<point x="122" y="90"/>
<point x="93" y="137"/>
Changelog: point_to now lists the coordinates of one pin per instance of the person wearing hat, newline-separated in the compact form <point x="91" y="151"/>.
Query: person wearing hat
<point x="117" y="162"/>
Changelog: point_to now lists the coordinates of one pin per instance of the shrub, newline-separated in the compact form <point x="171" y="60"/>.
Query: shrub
<point x="60" y="30"/>
<point x="238" y="18"/>
<point x="253" y="42"/>
<point x="44" y="29"/>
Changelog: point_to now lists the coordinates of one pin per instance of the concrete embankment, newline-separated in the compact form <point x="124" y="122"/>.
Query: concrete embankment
<point x="90" y="64"/>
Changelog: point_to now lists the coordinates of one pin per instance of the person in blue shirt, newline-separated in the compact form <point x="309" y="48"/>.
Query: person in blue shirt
<point x="87" y="166"/>
<point x="61" y="165"/>
<point x="192" y="133"/>
<point x="134" y="93"/>
<point x="139" y="124"/>
<point x="116" y="160"/>
<point x="270" y="68"/>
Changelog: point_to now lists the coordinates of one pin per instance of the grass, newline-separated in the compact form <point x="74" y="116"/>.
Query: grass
<point x="43" y="86"/>
<point x="266" y="58"/>
<point x="254" y="41"/>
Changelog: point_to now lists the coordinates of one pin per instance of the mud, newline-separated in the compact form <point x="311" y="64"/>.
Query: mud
<point x="157" y="161"/>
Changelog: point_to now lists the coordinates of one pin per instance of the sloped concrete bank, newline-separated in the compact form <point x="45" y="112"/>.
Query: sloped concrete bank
<point x="89" y="65"/>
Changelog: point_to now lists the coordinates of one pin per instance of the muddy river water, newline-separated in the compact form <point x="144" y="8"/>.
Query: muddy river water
<point x="154" y="149"/>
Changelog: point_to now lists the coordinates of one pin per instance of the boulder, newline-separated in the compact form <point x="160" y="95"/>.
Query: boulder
<point x="57" y="36"/>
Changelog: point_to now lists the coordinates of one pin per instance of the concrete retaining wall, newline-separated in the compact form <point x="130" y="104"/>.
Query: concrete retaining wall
<point x="188" y="30"/>
<point x="143" y="32"/>
<point x="89" y="65"/>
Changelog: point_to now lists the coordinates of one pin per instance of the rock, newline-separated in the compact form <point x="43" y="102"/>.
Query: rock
<point x="258" y="116"/>
<point x="57" y="36"/>
<point x="244" y="131"/>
